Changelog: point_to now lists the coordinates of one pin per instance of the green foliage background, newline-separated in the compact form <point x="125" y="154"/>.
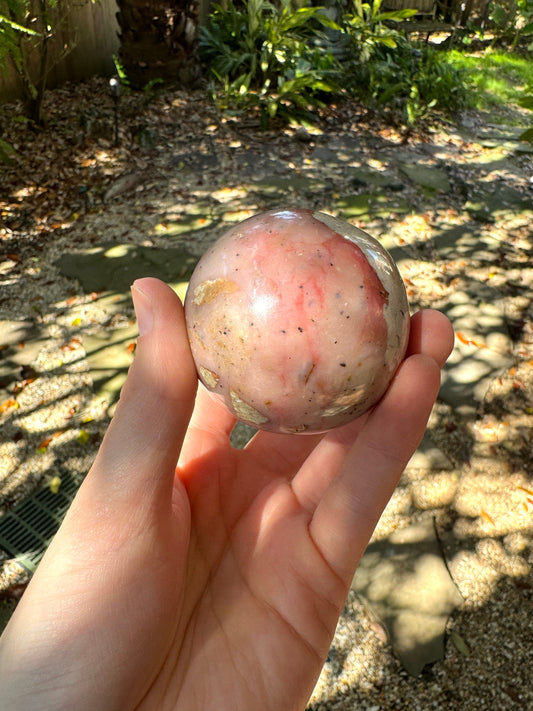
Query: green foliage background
<point x="285" y="59"/>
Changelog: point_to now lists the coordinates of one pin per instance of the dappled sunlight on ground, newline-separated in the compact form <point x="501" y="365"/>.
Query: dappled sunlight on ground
<point x="81" y="218"/>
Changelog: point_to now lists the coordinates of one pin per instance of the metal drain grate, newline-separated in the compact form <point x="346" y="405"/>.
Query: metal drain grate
<point x="28" y="528"/>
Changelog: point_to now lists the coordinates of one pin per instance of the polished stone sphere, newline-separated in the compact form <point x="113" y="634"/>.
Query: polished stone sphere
<point x="297" y="320"/>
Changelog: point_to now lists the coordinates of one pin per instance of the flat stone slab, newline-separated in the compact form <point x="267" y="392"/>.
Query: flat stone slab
<point x="501" y="133"/>
<point x="114" y="267"/>
<point x="256" y="165"/>
<point x="428" y="457"/>
<point x="374" y="178"/>
<point x="371" y="204"/>
<point x="467" y="242"/>
<point x="280" y="186"/>
<point x="338" y="152"/>
<point x="195" y="161"/>
<point x="110" y="354"/>
<point x="483" y="349"/>
<point x="484" y="203"/>
<point x="430" y="177"/>
<point x="405" y="582"/>
<point x="176" y="221"/>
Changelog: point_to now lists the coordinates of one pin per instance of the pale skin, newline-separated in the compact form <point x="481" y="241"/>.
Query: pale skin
<point x="216" y="585"/>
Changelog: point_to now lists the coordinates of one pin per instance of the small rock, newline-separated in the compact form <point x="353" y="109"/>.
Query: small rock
<point x="302" y="134"/>
<point x="122" y="185"/>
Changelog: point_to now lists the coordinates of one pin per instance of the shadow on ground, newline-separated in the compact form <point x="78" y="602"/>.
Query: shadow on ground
<point x="455" y="215"/>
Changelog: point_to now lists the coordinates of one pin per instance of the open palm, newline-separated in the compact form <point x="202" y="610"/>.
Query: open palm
<point x="217" y="585"/>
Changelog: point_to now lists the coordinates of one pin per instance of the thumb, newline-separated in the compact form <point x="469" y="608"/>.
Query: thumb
<point x="141" y="447"/>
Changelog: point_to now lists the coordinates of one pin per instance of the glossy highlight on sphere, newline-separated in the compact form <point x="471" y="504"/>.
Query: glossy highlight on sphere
<point x="297" y="320"/>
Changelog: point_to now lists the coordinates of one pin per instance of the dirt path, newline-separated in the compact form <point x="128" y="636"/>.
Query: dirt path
<point x="81" y="218"/>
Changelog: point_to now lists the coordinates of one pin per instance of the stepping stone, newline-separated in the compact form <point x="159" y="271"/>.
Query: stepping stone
<point x="343" y="150"/>
<point x="370" y="204"/>
<point x="428" y="457"/>
<point x="504" y="138"/>
<point x="178" y="222"/>
<point x="195" y="161"/>
<point x="252" y="165"/>
<point x="406" y="156"/>
<point x="295" y="183"/>
<point x="114" y="267"/>
<point x="429" y="177"/>
<point x="350" y="146"/>
<point x="110" y="355"/>
<point x="461" y="241"/>
<point x="484" y="203"/>
<point x="501" y="133"/>
<point x="374" y="178"/>
<point x="405" y="582"/>
<point x="483" y="350"/>
<point x="328" y="156"/>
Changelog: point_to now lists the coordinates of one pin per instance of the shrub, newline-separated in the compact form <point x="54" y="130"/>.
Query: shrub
<point x="284" y="59"/>
<point x="268" y="56"/>
<point x="409" y="82"/>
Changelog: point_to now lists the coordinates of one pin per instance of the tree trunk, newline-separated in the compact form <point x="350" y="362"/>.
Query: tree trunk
<point x="159" y="41"/>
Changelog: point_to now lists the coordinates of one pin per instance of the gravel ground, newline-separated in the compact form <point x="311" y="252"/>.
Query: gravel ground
<point x="70" y="188"/>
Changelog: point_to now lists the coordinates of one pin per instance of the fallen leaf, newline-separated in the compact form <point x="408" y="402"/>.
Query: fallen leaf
<point x="487" y="517"/>
<point x="459" y="643"/>
<point x="74" y="343"/>
<point x="528" y="491"/>
<point x="83" y="437"/>
<point x="22" y="384"/>
<point x="7" y="404"/>
<point x="469" y="341"/>
<point x="43" y="446"/>
<point x="54" y="484"/>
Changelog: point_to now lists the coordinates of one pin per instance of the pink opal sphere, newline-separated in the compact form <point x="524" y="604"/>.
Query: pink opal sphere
<point x="297" y="320"/>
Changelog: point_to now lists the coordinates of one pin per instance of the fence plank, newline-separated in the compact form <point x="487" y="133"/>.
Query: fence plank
<point x="93" y="30"/>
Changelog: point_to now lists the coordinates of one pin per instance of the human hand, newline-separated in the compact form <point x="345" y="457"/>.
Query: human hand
<point x="216" y="585"/>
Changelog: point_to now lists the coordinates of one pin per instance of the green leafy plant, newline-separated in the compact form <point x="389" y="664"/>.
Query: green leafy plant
<point x="368" y="26"/>
<point x="26" y="29"/>
<point x="526" y="101"/>
<point x="120" y="70"/>
<point x="511" y="21"/>
<point x="10" y="32"/>
<point x="409" y="82"/>
<point x="267" y="56"/>
<point x="15" y="37"/>
<point x="284" y="59"/>
<point x="493" y="79"/>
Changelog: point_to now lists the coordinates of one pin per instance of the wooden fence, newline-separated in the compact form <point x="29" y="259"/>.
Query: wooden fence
<point x="91" y="29"/>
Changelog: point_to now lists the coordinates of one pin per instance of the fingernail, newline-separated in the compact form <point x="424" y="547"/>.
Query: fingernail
<point x="144" y="310"/>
